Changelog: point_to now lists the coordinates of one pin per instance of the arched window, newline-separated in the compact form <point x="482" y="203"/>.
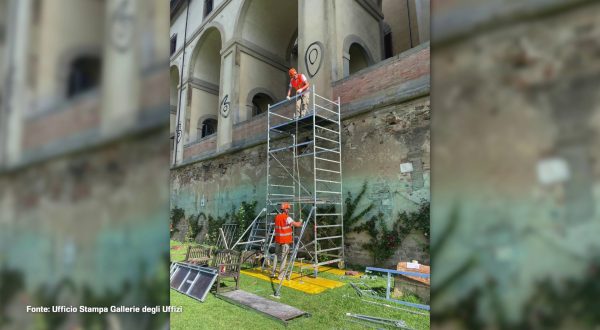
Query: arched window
<point x="358" y="58"/>
<point x="260" y="103"/>
<point x="208" y="127"/>
<point x="204" y="82"/>
<point x="84" y="74"/>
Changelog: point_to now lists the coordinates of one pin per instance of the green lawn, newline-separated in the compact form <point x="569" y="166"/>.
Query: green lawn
<point x="327" y="310"/>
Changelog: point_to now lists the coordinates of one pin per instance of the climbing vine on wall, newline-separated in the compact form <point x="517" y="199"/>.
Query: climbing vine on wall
<point x="194" y="227"/>
<point x="245" y="214"/>
<point x="214" y="223"/>
<point x="351" y="214"/>
<point x="176" y="215"/>
<point x="384" y="241"/>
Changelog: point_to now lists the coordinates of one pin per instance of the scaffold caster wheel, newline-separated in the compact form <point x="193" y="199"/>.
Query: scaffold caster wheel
<point x="341" y="265"/>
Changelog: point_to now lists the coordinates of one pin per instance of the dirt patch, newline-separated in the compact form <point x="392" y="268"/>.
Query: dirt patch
<point x="176" y="247"/>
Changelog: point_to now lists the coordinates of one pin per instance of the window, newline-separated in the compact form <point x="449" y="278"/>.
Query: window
<point x="208" y="127"/>
<point x="84" y="74"/>
<point x="358" y="58"/>
<point x="387" y="45"/>
<point x="173" y="44"/>
<point x="388" y="49"/>
<point x="208" y="7"/>
<point x="260" y="103"/>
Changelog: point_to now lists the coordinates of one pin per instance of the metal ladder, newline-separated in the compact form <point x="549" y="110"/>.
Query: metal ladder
<point x="259" y="233"/>
<point x="327" y="176"/>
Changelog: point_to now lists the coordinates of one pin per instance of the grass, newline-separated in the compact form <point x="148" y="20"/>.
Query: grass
<point x="327" y="310"/>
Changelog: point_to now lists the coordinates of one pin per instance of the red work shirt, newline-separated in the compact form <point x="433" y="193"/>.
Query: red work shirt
<point x="299" y="82"/>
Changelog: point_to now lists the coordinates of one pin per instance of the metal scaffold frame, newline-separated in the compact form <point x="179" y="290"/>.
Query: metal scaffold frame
<point x="312" y="186"/>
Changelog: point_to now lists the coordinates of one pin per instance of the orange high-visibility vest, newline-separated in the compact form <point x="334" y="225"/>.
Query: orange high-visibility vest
<point x="283" y="231"/>
<point x="299" y="82"/>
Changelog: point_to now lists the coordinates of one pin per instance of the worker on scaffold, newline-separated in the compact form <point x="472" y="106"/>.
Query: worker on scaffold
<point x="301" y="85"/>
<point x="283" y="237"/>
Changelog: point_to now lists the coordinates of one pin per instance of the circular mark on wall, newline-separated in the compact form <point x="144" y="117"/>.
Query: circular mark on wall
<point x="225" y="106"/>
<point x="313" y="57"/>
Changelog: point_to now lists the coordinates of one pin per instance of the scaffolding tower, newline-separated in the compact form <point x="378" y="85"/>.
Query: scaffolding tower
<point x="304" y="168"/>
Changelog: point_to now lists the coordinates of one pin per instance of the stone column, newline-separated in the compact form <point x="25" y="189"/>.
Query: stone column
<point x="316" y="43"/>
<point x="228" y="98"/>
<point x="179" y="139"/>
<point x="120" y="75"/>
<point x="15" y="100"/>
<point x="423" y="19"/>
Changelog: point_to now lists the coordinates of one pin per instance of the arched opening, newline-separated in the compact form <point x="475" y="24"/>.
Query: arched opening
<point x="204" y="82"/>
<point x="84" y="75"/>
<point x="388" y="46"/>
<point x="174" y="97"/>
<point x="260" y="103"/>
<point x="270" y="24"/>
<point x="207" y="127"/>
<point x="73" y="65"/>
<point x="358" y="58"/>
<point x="275" y="38"/>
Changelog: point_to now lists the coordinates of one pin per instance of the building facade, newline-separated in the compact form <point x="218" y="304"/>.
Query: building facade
<point x="229" y="60"/>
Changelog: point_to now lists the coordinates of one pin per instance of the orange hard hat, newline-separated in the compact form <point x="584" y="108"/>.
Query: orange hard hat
<point x="285" y="206"/>
<point x="292" y="72"/>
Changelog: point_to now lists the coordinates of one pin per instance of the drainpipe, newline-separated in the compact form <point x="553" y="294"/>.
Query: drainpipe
<point x="178" y="133"/>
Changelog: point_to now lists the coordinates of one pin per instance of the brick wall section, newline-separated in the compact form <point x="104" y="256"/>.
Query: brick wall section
<point x="79" y="116"/>
<point x="206" y="145"/>
<point x="252" y="129"/>
<point x="84" y="113"/>
<point x="394" y="71"/>
<point x="155" y="90"/>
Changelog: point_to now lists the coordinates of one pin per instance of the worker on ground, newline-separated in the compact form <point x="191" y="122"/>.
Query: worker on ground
<point x="283" y="236"/>
<point x="301" y="85"/>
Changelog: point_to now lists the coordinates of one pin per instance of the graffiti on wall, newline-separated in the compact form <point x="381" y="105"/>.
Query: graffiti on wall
<point x="225" y="104"/>
<point x="313" y="58"/>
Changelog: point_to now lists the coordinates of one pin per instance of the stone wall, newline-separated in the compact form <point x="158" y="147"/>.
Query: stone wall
<point x="80" y="115"/>
<point x="517" y="177"/>
<point x="98" y="214"/>
<point x="398" y="134"/>
<point x="381" y="130"/>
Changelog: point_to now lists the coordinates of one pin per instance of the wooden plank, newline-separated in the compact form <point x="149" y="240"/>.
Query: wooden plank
<point x="271" y="308"/>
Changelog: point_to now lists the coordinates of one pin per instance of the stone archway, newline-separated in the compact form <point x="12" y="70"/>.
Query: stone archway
<point x="205" y="77"/>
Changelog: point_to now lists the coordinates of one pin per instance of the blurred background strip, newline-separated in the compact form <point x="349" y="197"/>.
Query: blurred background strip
<point x="84" y="158"/>
<point x="516" y="176"/>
